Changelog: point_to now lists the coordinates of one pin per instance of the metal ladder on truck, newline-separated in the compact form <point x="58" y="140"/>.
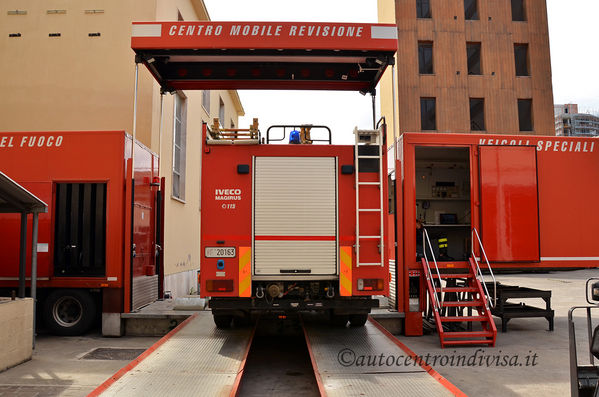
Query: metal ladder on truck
<point x="471" y="295"/>
<point x="369" y="146"/>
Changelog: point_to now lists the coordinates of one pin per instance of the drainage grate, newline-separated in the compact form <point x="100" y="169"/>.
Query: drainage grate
<point x="113" y="353"/>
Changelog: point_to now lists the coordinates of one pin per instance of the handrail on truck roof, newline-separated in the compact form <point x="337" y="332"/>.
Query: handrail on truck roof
<point x="305" y="133"/>
<point x="232" y="136"/>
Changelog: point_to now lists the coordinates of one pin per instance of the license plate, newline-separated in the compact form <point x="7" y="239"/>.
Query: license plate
<point x="219" y="252"/>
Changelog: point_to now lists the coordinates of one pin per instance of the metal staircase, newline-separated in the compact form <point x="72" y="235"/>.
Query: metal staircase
<point x="369" y="146"/>
<point x="452" y="294"/>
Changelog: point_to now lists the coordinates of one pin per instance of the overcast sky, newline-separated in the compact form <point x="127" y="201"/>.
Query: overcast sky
<point x="573" y="32"/>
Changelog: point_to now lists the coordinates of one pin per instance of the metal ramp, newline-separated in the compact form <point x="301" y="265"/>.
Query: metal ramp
<point x="196" y="359"/>
<point x="335" y="353"/>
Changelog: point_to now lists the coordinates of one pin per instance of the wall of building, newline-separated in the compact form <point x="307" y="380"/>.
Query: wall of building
<point x="72" y="82"/>
<point x="16" y="331"/>
<point x="78" y="82"/>
<point x="452" y="86"/>
<point x="182" y="255"/>
<point x="386" y="14"/>
<point x="568" y="108"/>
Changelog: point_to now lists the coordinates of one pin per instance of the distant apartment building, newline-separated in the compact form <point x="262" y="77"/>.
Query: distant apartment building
<point x="470" y="66"/>
<point x="568" y="122"/>
<point x="68" y="65"/>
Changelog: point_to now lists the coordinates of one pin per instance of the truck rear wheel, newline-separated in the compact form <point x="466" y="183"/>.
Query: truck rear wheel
<point x="358" y="320"/>
<point x="339" y="320"/>
<point x="222" y="321"/>
<point x="69" y="312"/>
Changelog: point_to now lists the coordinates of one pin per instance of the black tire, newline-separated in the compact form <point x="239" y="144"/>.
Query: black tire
<point x="69" y="312"/>
<point x="242" y="321"/>
<point x="358" y="320"/>
<point x="339" y="320"/>
<point x="222" y="321"/>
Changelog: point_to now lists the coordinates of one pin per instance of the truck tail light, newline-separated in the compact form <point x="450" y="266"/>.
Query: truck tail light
<point x="219" y="285"/>
<point x="371" y="284"/>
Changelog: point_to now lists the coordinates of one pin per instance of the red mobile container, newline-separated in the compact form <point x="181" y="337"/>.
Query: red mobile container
<point x="531" y="199"/>
<point x="86" y="262"/>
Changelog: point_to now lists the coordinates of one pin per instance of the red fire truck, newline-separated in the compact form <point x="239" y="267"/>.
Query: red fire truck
<point x="298" y="226"/>
<point x="97" y="249"/>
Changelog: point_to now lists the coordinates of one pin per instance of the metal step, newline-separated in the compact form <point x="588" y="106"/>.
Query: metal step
<point x="459" y="319"/>
<point x="456" y="289"/>
<point x="369" y="183"/>
<point x="369" y="157"/>
<point x="462" y="303"/>
<point x="469" y="342"/>
<point x="453" y="276"/>
<point x="468" y="334"/>
<point x="368" y="237"/>
<point x="477" y="300"/>
<point x="370" y="264"/>
<point x="369" y="209"/>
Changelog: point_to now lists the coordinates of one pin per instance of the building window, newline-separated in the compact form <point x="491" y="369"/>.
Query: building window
<point x="518" y="10"/>
<point x="206" y="101"/>
<point x="521" y="58"/>
<point x="428" y="114"/>
<point x="474" y="59"/>
<point x="471" y="9"/>
<point x="425" y="57"/>
<point x="179" y="146"/>
<point x="525" y="114"/>
<point x="221" y="113"/>
<point x="423" y="9"/>
<point x="477" y="114"/>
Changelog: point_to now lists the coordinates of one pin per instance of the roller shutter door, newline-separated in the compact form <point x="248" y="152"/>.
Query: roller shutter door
<point x="295" y="216"/>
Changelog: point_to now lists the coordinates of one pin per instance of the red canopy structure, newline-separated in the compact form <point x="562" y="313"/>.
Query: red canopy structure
<point x="265" y="55"/>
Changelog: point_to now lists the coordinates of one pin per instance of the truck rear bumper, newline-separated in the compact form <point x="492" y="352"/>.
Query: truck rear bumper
<point x="338" y="305"/>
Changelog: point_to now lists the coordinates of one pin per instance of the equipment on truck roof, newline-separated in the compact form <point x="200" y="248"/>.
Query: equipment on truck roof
<point x="217" y="135"/>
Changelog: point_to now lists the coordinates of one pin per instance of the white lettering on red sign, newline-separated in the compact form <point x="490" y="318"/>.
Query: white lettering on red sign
<point x="227" y="194"/>
<point x="39" y="141"/>
<point x="547" y="146"/>
<point x="190" y="30"/>
<point x="265" y="30"/>
<point x="255" y="30"/>
<point x="325" y="31"/>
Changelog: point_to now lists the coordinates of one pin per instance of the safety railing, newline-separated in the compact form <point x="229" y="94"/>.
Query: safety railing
<point x="305" y="133"/>
<point x="217" y="135"/>
<point x="427" y="241"/>
<point x="490" y="302"/>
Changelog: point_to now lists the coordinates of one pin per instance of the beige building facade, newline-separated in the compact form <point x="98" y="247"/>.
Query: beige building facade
<point x="68" y="65"/>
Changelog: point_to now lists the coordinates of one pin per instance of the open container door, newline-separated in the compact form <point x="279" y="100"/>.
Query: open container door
<point x="509" y="204"/>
